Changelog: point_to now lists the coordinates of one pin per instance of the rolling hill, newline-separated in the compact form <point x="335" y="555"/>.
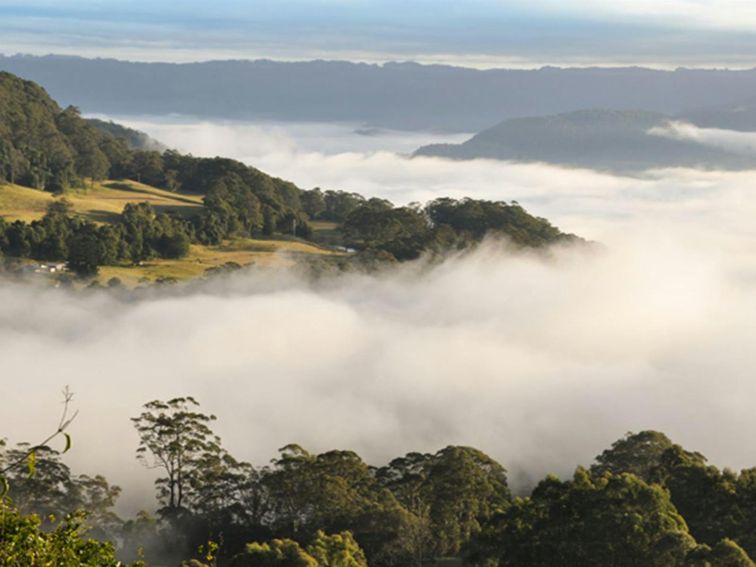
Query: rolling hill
<point x="616" y="140"/>
<point x="100" y="202"/>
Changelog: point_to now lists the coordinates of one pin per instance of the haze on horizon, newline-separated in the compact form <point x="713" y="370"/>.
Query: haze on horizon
<point x="508" y="33"/>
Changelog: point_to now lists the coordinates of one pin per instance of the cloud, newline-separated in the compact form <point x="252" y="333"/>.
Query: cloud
<point x="731" y="140"/>
<point x="335" y="157"/>
<point x="717" y="14"/>
<point x="540" y="360"/>
<point x="507" y="32"/>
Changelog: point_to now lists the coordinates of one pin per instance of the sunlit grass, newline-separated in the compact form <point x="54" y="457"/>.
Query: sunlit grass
<point x="100" y="202"/>
<point x="242" y="251"/>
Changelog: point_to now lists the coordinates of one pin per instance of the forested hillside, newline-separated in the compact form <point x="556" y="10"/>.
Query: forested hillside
<point x="643" y="502"/>
<point x="135" y="139"/>
<point x="48" y="148"/>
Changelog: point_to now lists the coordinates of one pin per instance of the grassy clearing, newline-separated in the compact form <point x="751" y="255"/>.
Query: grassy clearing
<point x="101" y="202"/>
<point x="20" y="203"/>
<point x="104" y="201"/>
<point x="245" y="251"/>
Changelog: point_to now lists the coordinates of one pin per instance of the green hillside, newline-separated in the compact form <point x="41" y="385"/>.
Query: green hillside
<point x="134" y="139"/>
<point x="72" y="192"/>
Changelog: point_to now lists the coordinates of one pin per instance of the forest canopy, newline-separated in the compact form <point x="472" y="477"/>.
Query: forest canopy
<point x="644" y="501"/>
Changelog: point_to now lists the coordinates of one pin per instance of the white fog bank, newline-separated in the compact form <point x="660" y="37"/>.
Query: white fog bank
<point x="540" y="360"/>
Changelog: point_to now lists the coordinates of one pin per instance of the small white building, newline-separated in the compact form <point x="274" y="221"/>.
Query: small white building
<point x="50" y="268"/>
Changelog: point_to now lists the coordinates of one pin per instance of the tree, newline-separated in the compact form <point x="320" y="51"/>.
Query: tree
<point x="49" y="490"/>
<point x="311" y="492"/>
<point x="147" y="167"/>
<point x="90" y="160"/>
<point x="402" y="231"/>
<point x="715" y="504"/>
<point x="336" y="491"/>
<point x="616" y="520"/>
<point x="640" y="454"/>
<point x="725" y="553"/>
<point x="464" y="487"/>
<point x="176" y="438"/>
<point x="27" y="454"/>
<point x="313" y="202"/>
<point x="454" y="491"/>
<point x="85" y="253"/>
<point x="338" y="205"/>
<point x="173" y="246"/>
<point x="17" y="239"/>
<point x="477" y="218"/>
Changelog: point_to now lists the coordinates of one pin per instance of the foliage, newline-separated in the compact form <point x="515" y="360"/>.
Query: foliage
<point x="277" y="553"/>
<point x="453" y="491"/>
<point x="610" y="520"/>
<point x="139" y="233"/>
<point x="177" y="439"/>
<point x="715" y="504"/>
<point x="23" y="543"/>
<point x="135" y="140"/>
<point x="337" y="550"/>
<point x="46" y="147"/>
<point x="418" y="509"/>
<point x="444" y="224"/>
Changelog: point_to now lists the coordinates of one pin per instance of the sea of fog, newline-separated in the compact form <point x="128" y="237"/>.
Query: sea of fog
<point x="541" y="360"/>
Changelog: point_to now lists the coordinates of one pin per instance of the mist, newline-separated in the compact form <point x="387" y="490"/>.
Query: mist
<point x="539" y="359"/>
<point x="731" y="140"/>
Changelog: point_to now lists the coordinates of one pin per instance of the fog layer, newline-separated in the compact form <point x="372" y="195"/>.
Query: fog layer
<point x="541" y="360"/>
<point x="735" y="141"/>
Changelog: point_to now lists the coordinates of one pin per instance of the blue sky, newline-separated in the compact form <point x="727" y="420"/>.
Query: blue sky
<point x="471" y="32"/>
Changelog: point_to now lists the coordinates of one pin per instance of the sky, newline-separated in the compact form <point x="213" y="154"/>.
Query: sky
<point x="479" y="33"/>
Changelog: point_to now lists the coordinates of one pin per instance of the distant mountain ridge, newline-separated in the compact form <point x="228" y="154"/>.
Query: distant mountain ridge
<point x="406" y="96"/>
<point x="617" y="140"/>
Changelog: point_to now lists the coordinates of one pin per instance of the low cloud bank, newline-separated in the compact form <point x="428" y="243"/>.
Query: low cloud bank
<point x="541" y="360"/>
<point x="730" y="140"/>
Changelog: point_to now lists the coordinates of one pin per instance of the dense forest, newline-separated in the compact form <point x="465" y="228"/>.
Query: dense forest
<point x="644" y="502"/>
<point x="134" y="139"/>
<point x="56" y="150"/>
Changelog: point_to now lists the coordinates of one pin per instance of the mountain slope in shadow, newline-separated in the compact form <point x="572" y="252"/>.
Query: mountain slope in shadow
<point x="614" y="140"/>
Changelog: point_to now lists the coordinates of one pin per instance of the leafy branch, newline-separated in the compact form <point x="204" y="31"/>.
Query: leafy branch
<point x="29" y="457"/>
